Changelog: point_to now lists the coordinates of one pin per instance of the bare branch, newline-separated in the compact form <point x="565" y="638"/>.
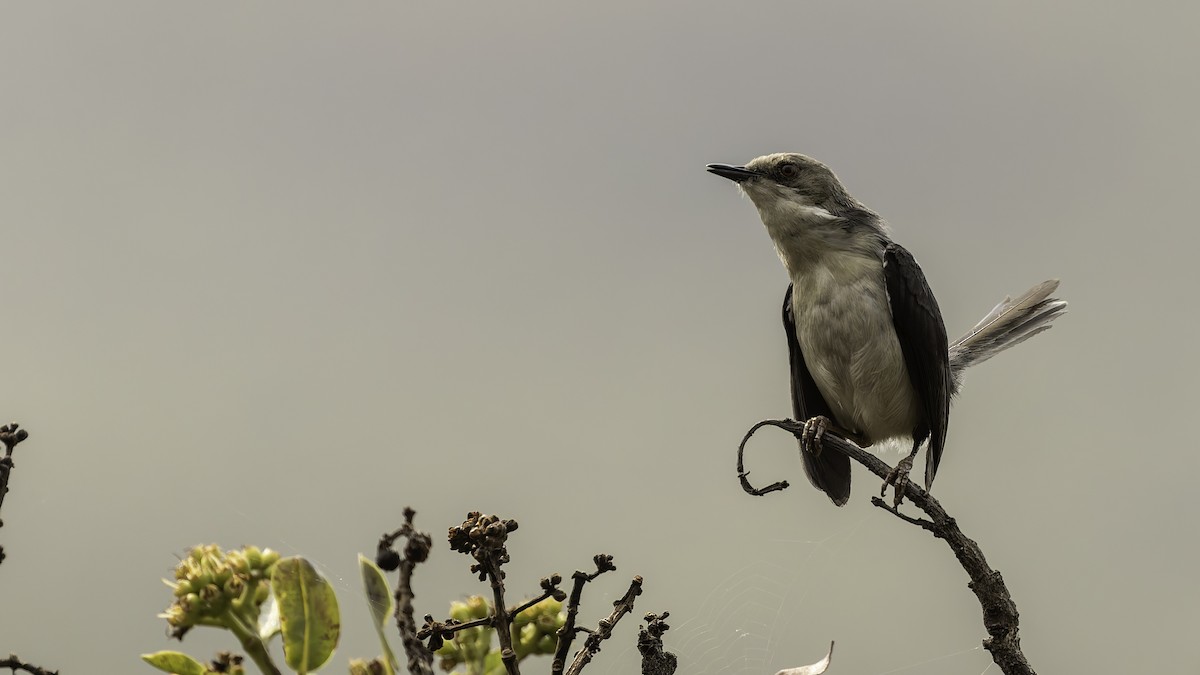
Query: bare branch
<point x="445" y="630"/>
<point x="895" y="511"/>
<point x="483" y="537"/>
<point x="1000" y="617"/>
<point x="591" y="646"/>
<point x="566" y="634"/>
<point x="549" y="590"/>
<point x="416" y="550"/>
<point x="17" y="664"/>
<point x="10" y="436"/>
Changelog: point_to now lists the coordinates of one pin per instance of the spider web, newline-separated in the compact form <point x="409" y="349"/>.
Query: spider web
<point x="741" y="627"/>
<point x="738" y="629"/>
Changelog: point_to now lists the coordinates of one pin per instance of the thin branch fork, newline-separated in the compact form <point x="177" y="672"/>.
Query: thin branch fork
<point x="448" y="628"/>
<point x="484" y="538"/>
<point x="591" y="646"/>
<point x="566" y="634"/>
<point x="1000" y="616"/>
<point x="501" y="620"/>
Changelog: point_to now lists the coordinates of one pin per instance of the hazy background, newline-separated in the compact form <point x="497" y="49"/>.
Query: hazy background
<point x="272" y="272"/>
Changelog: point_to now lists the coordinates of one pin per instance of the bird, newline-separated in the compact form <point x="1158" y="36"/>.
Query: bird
<point x="867" y="347"/>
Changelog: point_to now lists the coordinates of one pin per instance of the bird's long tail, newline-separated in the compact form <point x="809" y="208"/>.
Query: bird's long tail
<point x="1010" y="323"/>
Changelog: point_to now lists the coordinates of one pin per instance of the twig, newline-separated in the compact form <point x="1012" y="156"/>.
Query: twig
<point x="744" y="476"/>
<point x="416" y="550"/>
<point x="10" y="436"/>
<point x="591" y="646"/>
<point x="1000" y="616"/>
<point x="483" y="537"/>
<point x="445" y="630"/>
<point x="655" y="661"/>
<point x="895" y="511"/>
<point x="502" y="622"/>
<point x="17" y="664"/>
<point x="566" y="634"/>
<point x="254" y="645"/>
<point x="549" y="590"/>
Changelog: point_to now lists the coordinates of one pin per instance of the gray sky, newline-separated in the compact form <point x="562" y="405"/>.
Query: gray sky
<point x="273" y="271"/>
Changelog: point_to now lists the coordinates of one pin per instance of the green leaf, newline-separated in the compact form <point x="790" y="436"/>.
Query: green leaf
<point x="379" y="601"/>
<point x="175" y="662"/>
<point x="379" y="593"/>
<point x="308" y="614"/>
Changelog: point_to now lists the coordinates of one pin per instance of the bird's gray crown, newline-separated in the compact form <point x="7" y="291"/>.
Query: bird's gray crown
<point x="808" y="178"/>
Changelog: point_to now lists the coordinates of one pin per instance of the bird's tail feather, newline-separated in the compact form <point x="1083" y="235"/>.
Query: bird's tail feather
<point x="1009" y="323"/>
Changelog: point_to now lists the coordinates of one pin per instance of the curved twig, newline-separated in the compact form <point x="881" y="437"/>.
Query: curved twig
<point x="743" y="475"/>
<point x="1000" y="617"/>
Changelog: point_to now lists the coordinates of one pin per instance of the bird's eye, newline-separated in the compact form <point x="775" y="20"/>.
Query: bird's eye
<point x="788" y="170"/>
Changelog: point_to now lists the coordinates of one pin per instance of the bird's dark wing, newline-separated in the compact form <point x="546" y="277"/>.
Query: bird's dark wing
<point x="829" y="472"/>
<point x="922" y="336"/>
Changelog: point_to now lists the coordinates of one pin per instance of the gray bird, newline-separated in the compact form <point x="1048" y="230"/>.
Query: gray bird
<point x="868" y="350"/>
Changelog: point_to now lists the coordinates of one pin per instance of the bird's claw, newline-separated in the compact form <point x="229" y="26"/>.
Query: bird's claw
<point x="898" y="479"/>
<point x="813" y="433"/>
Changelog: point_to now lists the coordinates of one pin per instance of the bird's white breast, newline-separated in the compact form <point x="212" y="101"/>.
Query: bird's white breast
<point x="844" y="327"/>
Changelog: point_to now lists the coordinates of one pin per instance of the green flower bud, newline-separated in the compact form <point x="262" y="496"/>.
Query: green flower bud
<point x="477" y="607"/>
<point x="528" y="636"/>
<point x="210" y="593"/>
<point x="460" y="612"/>
<point x="175" y="616"/>
<point x="546" y="623"/>
<point x="234" y="587"/>
<point x="253" y="556"/>
<point x="189" y="603"/>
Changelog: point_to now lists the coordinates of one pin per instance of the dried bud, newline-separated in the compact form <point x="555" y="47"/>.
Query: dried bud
<point x="388" y="560"/>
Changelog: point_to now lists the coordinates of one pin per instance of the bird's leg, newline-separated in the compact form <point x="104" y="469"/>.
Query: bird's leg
<point x="898" y="477"/>
<point x="815" y="429"/>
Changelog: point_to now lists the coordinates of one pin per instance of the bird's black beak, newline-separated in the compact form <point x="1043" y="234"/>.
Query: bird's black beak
<point x="737" y="174"/>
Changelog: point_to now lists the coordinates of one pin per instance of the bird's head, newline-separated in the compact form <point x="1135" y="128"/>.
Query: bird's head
<point x="802" y="203"/>
<point x="791" y="178"/>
